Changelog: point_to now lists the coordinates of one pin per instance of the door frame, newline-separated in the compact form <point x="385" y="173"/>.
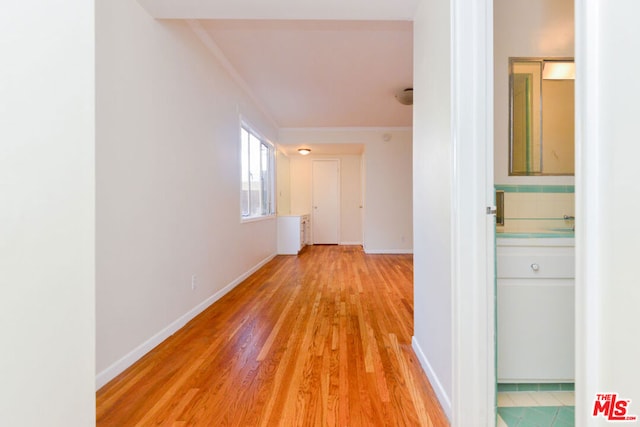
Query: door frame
<point x="473" y="230"/>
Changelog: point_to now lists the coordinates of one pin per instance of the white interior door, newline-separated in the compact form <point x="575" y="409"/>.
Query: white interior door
<point x="325" y="219"/>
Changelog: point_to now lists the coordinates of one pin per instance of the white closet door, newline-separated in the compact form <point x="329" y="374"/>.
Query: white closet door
<point x="326" y="201"/>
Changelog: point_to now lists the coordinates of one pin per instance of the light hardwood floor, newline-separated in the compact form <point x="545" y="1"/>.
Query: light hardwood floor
<point x="321" y="339"/>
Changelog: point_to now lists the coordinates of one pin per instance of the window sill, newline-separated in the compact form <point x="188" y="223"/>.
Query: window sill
<point x="257" y="218"/>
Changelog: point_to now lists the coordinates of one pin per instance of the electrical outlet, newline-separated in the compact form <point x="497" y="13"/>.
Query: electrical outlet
<point x="194" y="282"/>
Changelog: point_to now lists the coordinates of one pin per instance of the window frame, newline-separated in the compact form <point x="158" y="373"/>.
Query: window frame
<point x="266" y="189"/>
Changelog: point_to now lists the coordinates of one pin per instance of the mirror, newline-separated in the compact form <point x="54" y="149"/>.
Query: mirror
<point x="541" y="105"/>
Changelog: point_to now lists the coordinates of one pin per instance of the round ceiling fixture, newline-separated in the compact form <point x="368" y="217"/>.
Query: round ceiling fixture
<point x="304" y="151"/>
<point x="405" y="97"/>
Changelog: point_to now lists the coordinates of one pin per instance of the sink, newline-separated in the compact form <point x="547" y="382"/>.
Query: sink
<point x="559" y="232"/>
<point x="562" y="230"/>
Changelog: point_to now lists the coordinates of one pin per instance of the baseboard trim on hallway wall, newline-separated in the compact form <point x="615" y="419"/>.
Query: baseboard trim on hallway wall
<point x="350" y="243"/>
<point x="136" y="354"/>
<point x="388" y="251"/>
<point x="443" y="397"/>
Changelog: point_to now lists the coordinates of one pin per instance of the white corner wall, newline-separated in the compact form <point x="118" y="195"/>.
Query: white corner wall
<point x="523" y="28"/>
<point x="432" y="171"/>
<point x="283" y="184"/>
<point x="47" y="100"/>
<point x="168" y="182"/>
<point x="388" y="220"/>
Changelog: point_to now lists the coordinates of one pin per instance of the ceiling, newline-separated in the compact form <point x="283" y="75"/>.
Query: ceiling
<point x="322" y="73"/>
<point x="333" y="10"/>
<point x="309" y="64"/>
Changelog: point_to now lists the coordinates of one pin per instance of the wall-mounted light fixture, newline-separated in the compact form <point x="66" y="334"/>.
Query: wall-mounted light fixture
<point x="304" y="151"/>
<point x="559" y="70"/>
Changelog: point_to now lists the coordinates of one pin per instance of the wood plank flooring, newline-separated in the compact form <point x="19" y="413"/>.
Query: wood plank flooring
<point x="321" y="339"/>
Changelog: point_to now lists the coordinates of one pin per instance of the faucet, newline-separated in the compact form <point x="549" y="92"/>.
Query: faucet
<point x="571" y="218"/>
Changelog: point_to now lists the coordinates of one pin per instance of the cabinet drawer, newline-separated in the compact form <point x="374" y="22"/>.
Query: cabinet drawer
<point x="535" y="264"/>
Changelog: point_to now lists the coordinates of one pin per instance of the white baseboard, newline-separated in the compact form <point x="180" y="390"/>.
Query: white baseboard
<point x="133" y="356"/>
<point x="388" y="251"/>
<point x="443" y="397"/>
<point x="350" y="243"/>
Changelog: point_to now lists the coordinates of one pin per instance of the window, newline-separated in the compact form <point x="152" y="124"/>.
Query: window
<point x="257" y="174"/>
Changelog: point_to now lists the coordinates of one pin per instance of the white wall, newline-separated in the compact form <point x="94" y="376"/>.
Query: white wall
<point x="168" y="182"/>
<point x="283" y="184"/>
<point x="388" y="221"/>
<point x="607" y="206"/>
<point x="47" y="214"/>
<point x="432" y="171"/>
<point x="523" y="28"/>
<point x="300" y="181"/>
<point x="388" y="207"/>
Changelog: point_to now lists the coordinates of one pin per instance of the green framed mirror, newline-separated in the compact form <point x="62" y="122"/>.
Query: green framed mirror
<point x="541" y="122"/>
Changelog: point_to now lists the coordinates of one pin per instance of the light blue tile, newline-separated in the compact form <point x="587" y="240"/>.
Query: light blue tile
<point x="550" y="387"/>
<point x="534" y="235"/>
<point x="507" y="387"/>
<point x="506" y="188"/>
<point x="528" y="387"/>
<point x="536" y="188"/>
<point x="538" y="416"/>
<point x="566" y="416"/>
<point x="526" y="422"/>
<point x="511" y="416"/>
<point x="541" y="415"/>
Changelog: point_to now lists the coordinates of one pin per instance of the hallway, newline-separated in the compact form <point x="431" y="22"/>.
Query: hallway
<point x="321" y="339"/>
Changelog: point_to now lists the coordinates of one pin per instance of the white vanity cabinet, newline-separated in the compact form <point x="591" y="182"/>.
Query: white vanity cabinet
<point x="293" y="233"/>
<point x="535" y="309"/>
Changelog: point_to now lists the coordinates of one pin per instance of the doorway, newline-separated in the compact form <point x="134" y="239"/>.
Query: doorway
<point x="535" y="242"/>
<point x="325" y="219"/>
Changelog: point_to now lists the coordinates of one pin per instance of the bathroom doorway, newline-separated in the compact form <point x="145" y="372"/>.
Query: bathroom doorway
<point x="535" y="252"/>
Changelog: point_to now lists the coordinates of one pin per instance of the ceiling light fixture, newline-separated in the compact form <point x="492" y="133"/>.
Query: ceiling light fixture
<point x="304" y="151"/>
<point x="405" y="97"/>
<point x="559" y="70"/>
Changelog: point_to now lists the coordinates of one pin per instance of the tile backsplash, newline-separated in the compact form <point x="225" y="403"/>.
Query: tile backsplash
<point x="537" y="209"/>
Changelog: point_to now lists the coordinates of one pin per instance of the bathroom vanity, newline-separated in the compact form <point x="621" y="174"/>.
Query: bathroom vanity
<point x="535" y="309"/>
<point x="535" y="225"/>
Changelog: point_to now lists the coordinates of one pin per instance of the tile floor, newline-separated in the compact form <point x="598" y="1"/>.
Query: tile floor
<point x="536" y="408"/>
